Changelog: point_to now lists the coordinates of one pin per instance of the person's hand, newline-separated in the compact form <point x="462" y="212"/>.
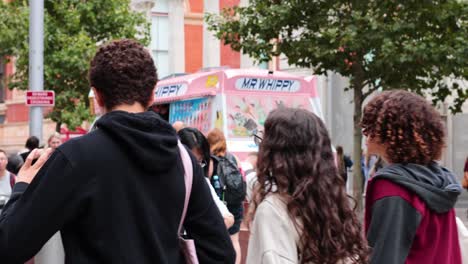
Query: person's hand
<point x="228" y="220"/>
<point x="28" y="171"/>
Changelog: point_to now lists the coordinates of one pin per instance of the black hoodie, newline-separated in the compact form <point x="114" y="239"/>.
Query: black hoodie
<point x="116" y="194"/>
<point x="410" y="216"/>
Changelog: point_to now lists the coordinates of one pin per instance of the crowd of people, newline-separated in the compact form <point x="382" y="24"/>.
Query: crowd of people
<point x="117" y="194"/>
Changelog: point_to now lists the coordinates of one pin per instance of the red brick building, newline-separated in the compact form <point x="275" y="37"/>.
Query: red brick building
<point x="14" y="114"/>
<point x="181" y="42"/>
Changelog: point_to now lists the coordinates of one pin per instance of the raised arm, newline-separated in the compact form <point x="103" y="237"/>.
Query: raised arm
<point x="39" y="209"/>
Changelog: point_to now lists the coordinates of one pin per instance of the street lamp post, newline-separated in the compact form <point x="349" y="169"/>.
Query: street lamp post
<point x="36" y="62"/>
<point x="52" y="252"/>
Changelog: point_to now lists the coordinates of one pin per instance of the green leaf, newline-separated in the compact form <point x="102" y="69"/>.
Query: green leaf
<point x="414" y="45"/>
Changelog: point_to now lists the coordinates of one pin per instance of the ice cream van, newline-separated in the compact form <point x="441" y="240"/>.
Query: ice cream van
<point x="237" y="101"/>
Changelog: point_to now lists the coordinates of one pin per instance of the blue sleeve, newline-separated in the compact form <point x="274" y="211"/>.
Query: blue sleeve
<point x="392" y="228"/>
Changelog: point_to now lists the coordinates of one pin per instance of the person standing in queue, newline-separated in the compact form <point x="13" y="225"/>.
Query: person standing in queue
<point x="54" y="141"/>
<point x="410" y="215"/>
<point x="7" y="180"/>
<point x="232" y="182"/>
<point x="117" y="193"/>
<point x="197" y="143"/>
<point x="344" y="162"/>
<point x="300" y="210"/>
<point x="31" y="143"/>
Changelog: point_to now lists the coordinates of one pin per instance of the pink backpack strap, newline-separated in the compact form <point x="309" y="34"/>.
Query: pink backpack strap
<point x="188" y="177"/>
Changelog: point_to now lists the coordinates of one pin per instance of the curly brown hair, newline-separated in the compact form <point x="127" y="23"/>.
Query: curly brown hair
<point x="408" y="126"/>
<point x="124" y="73"/>
<point x="296" y="157"/>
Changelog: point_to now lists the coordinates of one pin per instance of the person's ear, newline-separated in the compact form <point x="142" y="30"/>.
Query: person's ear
<point x="99" y="98"/>
<point x="152" y="97"/>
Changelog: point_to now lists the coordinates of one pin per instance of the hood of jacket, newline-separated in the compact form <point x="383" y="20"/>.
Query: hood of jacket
<point x="434" y="184"/>
<point x="150" y="141"/>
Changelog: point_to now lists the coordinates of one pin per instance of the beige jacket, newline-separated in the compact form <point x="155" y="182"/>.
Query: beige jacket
<point x="273" y="238"/>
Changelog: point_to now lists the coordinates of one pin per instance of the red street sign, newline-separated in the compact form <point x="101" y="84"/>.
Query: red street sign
<point x="40" y="98"/>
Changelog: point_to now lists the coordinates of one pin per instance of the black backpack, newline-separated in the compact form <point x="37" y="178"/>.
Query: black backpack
<point x="231" y="180"/>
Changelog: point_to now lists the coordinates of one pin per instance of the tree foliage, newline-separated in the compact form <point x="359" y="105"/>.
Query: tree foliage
<point x="413" y="45"/>
<point x="73" y="29"/>
<point x="407" y="44"/>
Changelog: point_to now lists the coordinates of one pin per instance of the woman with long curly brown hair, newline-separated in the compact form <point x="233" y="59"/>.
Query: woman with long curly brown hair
<point x="410" y="216"/>
<point x="301" y="212"/>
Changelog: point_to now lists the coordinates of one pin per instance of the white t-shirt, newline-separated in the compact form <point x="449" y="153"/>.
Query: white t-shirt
<point x="221" y="206"/>
<point x="5" y="185"/>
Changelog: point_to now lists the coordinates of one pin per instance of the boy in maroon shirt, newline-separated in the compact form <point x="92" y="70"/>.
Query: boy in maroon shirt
<point x="410" y="215"/>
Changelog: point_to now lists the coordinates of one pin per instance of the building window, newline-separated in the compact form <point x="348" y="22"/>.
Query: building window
<point x="160" y="37"/>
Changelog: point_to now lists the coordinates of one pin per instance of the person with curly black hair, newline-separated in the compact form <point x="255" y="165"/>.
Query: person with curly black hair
<point x="410" y="216"/>
<point x="117" y="194"/>
<point x="301" y="212"/>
